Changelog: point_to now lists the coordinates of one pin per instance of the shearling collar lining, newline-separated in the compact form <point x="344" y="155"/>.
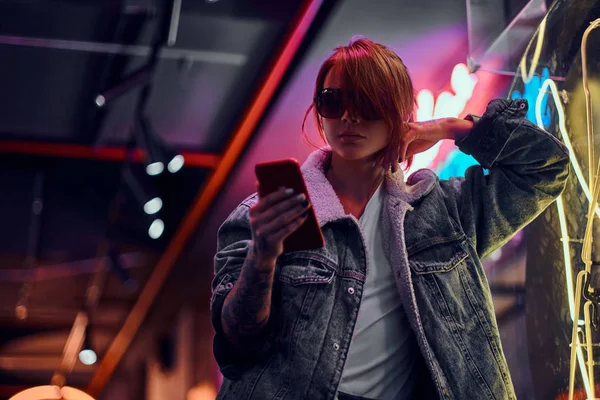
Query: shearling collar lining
<point x="328" y="206"/>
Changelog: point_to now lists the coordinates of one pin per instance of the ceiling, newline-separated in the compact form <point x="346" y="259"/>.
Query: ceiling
<point x="48" y="92"/>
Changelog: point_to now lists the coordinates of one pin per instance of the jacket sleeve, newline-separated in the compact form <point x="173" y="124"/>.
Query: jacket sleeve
<point x="527" y="171"/>
<point x="233" y="243"/>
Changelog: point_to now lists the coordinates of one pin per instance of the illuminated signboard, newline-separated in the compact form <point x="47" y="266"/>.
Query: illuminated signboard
<point x="447" y="104"/>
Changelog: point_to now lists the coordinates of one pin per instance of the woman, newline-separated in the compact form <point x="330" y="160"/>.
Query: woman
<point x="396" y="305"/>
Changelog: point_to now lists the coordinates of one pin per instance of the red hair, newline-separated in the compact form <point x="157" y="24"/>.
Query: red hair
<point x="373" y="72"/>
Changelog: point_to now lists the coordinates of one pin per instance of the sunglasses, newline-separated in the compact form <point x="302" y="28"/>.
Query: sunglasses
<point x="333" y="102"/>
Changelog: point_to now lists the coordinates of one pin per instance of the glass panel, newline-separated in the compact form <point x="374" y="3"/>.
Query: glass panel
<point x="499" y="31"/>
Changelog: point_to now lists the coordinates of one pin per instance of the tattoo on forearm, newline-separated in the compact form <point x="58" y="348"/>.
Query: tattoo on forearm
<point x="261" y="244"/>
<point x="247" y="307"/>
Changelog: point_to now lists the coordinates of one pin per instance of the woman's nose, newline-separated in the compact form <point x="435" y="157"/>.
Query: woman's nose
<point x="346" y="117"/>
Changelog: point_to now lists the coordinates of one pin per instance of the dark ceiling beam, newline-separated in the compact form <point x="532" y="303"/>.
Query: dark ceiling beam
<point x="206" y="195"/>
<point x="114" y="153"/>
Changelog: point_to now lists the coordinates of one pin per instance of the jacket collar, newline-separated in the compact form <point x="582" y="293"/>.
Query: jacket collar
<point x="327" y="205"/>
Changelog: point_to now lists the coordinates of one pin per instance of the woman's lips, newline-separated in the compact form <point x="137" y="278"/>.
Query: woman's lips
<point x="348" y="137"/>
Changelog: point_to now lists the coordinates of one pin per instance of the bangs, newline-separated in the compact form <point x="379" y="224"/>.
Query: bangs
<point x="363" y="87"/>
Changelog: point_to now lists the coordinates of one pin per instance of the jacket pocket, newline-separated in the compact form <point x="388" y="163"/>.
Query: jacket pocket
<point x="296" y="275"/>
<point x="303" y="284"/>
<point x="440" y="255"/>
<point x="299" y="270"/>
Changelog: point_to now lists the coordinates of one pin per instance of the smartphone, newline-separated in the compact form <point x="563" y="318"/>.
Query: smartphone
<point x="271" y="176"/>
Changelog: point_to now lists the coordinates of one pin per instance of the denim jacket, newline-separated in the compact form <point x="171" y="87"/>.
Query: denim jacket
<point x="435" y="232"/>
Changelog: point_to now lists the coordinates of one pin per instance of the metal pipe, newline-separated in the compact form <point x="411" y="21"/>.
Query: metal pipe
<point x="137" y="78"/>
<point x="212" y="57"/>
<point x="174" y="26"/>
<point x="72" y="347"/>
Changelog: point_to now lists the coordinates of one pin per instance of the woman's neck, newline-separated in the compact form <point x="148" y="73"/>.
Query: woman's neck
<point x="357" y="180"/>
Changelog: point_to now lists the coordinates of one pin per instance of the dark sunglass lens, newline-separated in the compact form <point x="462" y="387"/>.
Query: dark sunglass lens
<point x="369" y="112"/>
<point x="363" y="106"/>
<point x="329" y="103"/>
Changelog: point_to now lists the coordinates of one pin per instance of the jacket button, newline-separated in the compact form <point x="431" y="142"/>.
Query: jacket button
<point x="336" y="346"/>
<point x="351" y="290"/>
<point x="229" y="285"/>
<point x="522" y="105"/>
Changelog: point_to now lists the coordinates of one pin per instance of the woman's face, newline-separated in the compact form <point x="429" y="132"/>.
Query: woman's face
<point x="352" y="138"/>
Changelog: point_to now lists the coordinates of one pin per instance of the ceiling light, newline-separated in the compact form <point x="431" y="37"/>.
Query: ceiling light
<point x="153" y="205"/>
<point x="176" y="163"/>
<point x="155" y="168"/>
<point x="158" y="152"/>
<point x="156" y="228"/>
<point x="87" y="355"/>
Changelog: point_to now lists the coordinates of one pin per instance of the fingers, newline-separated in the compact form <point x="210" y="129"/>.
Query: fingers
<point x="394" y="155"/>
<point x="269" y="236"/>
<point x="383" y="158"/>
<point x="387" y="160"/>
<point x="419" y="146"/>
<point x="387" y="164"/>
<point x="271" y="199"/>
<point x="403" y="152"/>
<point x="282" y="207"/>
<point x="284" y="224"/>
<point x="412" y="149"/>
<point x="409" y="137"/>
<point x="276" y="210"/>
<point x="266" y="241"/>
<point x="290" y="228"/>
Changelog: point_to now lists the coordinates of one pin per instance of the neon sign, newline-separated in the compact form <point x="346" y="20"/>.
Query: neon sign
<point x="447" y="104"/>
<point x="530" y="93"/>
<point x="542" y="119"/>
<point x="550" y="84"/>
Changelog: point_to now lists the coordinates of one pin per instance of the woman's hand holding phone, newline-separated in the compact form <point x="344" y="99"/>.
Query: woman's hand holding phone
<point x="273" y="218"/>
<point x="247" y="307"/>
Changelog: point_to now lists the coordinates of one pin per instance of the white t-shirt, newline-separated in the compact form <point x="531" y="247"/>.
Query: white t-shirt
<point x="381" y="358"/>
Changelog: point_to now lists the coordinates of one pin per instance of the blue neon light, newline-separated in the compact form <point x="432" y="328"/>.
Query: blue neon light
<point x="531" y="90"/>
